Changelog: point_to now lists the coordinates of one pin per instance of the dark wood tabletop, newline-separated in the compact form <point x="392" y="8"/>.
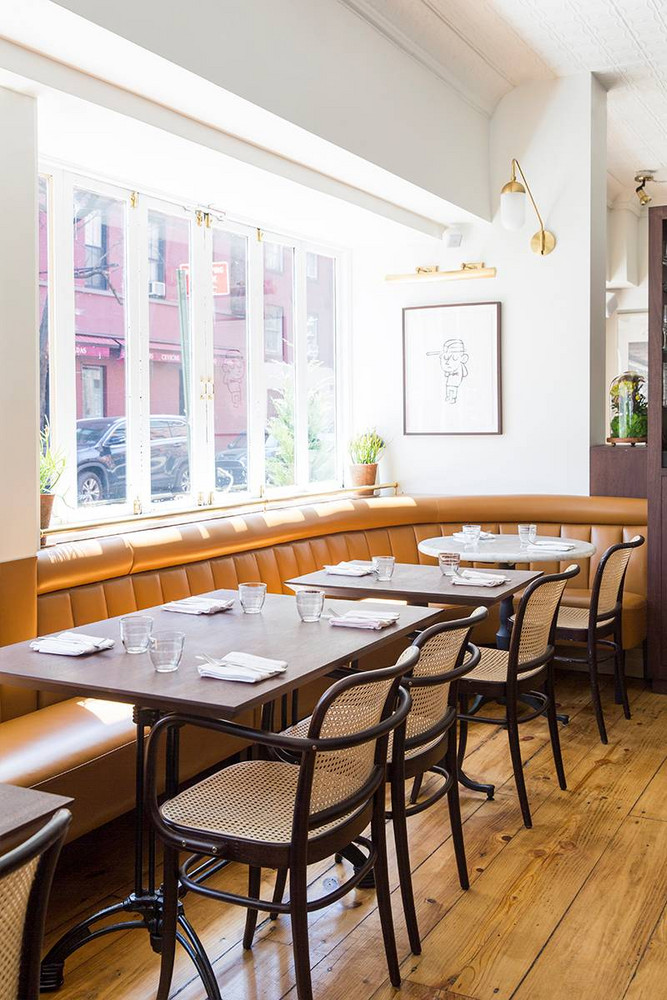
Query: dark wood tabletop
<point x="417" y="585"/>
<point x="23" y="810"/>
<point x="310" y="650"/>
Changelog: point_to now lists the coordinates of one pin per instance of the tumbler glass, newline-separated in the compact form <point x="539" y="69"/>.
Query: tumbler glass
<point x="471" y="533"/>
<point x="384" y="567"/>
<point x="135" y="632"/>
<point x="527" y="534"/>
<point x="449" y="562"/>
<point x="309" y="604"/>
<point x="166" y="649"/>
<point x="252" y="596"/>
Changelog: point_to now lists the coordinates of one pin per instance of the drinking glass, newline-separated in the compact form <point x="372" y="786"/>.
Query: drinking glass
<point x="166" y="649"/>
<point x="309" y="604"/>
<point x="471" y="533"/>
<point x="251" y="596"/>
<point x="384" y="567"/>
<point x="527" y="534"/>
<point x="135" y="632"/>
<point x="449" y="562"/>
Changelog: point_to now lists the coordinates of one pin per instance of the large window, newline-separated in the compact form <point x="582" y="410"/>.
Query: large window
<point x="182" y="357"/>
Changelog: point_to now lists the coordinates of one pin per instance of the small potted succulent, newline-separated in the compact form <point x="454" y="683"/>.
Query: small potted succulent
<point x="51" y="468"/>
<point x="365" y="450"/>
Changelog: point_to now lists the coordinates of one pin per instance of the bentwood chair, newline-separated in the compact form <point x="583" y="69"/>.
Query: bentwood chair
<point x="426" y="743"/>
<point x="271" y="814"/>
<point x="600" y="625"/>
<point x="26" y="874"/>
<point x="526" y="668"/>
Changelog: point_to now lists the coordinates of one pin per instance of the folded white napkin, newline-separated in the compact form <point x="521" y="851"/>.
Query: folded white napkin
<point x="244" y="667"/>
<point x="199" y="605"/>
<point x="552" y="546"/>
<point x="350" y="569"/>
<point x="485" y="536"/>
<point x="469" y="578"/>
<point x="366" y="619"/>
<point x="71" y="644"/>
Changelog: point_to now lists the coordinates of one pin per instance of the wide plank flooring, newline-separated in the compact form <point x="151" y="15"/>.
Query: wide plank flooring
<point x="574" y="908"/>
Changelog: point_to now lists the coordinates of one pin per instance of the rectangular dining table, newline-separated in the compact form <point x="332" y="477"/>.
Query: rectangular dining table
<point x="311" y="650"/>
<point x="23" y="811"/>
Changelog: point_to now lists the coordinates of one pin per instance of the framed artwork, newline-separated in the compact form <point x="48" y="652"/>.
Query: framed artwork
<point x="451" y="369"/>
<point x="632" y="342"/>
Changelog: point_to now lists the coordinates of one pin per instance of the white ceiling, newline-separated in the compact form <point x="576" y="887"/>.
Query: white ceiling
<point x="487" y="47"/>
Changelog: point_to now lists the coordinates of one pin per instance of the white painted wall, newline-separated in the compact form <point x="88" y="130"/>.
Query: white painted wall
<point x="18" y="327"/>
<point x="318" y="65"/>
<point x="552" y="310"/>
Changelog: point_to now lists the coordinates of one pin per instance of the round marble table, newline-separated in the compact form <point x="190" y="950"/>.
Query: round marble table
<point x="506" y="551"/>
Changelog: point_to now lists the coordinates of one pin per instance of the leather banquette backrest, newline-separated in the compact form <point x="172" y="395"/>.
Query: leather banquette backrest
<point x="82" y="582"/>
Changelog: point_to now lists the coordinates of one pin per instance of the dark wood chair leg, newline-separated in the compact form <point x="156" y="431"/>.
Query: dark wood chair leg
<point x="645" y="659"/>
<point x="299" y="918"/>
<point x="517" y="763"/>
<point x="379" y="838"/>
<point x="619" y="671"/>
<point x="279" y="890"/>
<point x="552" y="719"/>
<point x="595" y="689"/>
<point x="463" y="727"/>
<point x="169" y="922"/>
<point x="454" y="805"/>
<point x="416" y="788"/>
<point x="254" y="883"/>
<point x="400" y="825"/>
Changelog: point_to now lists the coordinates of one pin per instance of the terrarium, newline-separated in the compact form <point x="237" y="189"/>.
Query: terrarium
<point x="629" y="409"/>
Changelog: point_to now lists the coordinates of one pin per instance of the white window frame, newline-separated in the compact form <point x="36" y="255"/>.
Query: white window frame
<point x="61" y="183"/>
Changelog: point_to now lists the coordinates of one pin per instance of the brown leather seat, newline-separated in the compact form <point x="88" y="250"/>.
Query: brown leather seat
<point x="70" y="748"/>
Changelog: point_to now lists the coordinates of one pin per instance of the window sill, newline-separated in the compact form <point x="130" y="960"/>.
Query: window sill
<point x="143" y="522"/>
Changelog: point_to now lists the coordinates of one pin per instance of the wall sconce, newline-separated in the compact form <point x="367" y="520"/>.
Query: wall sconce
<point x="513" y="211"/>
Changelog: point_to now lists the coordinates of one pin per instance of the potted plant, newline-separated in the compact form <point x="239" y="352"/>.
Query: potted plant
<point x="365" y="450"/>
<point x="51" y="467"/>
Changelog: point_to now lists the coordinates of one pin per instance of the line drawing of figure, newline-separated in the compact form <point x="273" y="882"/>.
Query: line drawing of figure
<point x="233" y="370"/>
<point x="453" y="361"/>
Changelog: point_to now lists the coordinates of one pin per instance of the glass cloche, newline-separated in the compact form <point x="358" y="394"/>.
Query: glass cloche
<point x="629" y="408"/>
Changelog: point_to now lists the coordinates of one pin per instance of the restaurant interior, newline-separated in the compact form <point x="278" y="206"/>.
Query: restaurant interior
<point x="333" y="387"/>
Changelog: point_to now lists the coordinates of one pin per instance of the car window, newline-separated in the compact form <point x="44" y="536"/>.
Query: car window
<point x="117" y="438"/>
<point x="160" y="429"/>
<point x="179" y="428"/>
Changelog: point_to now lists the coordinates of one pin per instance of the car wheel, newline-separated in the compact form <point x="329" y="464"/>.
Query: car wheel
<point x="183" y="480"/>
<point x="224" y="480"/>
<point x="91" y="488"/>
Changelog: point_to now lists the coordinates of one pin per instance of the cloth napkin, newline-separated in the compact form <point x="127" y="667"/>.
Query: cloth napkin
<point x="199" y="605"/>
<point x="469" y="578"/>
<point x="485" y="536"/>
<point x="244" y="667"/>
<point x="366" y="619"/>
<point x="71" y="644"/>
<point x="552" y="546"/>
<point x="350" y="569"/>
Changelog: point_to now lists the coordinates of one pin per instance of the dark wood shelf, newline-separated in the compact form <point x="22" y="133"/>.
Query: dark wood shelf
<point x="619" y="470"/>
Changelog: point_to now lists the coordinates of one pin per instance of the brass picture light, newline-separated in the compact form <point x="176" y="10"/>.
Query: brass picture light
<point x="513" y="211"/>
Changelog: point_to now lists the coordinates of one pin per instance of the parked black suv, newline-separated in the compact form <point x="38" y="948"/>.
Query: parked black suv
<point x="101" y="459"/>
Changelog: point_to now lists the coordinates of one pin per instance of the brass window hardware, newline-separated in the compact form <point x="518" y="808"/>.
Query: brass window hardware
<point x="260" y="235"/>
<point x="134" y="199"/>
<point x="136" y="506"/>
<point x="207" y="387"/>
<point x="199" y="216"/>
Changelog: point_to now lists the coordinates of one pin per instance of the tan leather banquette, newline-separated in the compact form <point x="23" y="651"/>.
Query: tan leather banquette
<point x="84" y="748"/>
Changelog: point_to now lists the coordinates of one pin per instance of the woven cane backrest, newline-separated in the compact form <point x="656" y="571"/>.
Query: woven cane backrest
<point x="540" y="607"/>
<point x="611" y="575"/>
<point x="439" y="655"/>
<point x="15" y="890"/>
<point x="338" y="774"/>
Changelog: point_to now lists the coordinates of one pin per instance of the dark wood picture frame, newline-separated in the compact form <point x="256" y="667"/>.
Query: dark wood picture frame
<point x="498" y="379"/>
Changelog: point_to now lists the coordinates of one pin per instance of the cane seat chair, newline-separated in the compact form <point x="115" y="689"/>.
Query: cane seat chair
<point x="26" y="874"/>
<point x="599" y="625"/>
<point x="271" y="814"/>
<point x="426" y="743"/>
<point x="526" y="668"/>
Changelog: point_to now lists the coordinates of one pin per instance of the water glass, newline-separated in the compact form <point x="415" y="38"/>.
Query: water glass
<point x="309" y="604"/>
<point x="527" y="534"/>
<point x="383" y="567"/>
<point x="252" y="596"/>
<point x="135" y="632"/>
<point x="166" y="649"/>
<point x="471" y="533"/>
<point x="449" y="562"/>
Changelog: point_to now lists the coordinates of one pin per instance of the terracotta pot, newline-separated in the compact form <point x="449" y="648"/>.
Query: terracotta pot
<point x="45" y="508"/>
<point x="363" y="475"/>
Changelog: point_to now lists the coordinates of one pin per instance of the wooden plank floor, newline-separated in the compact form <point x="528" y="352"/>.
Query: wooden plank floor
<point x="574" y="908"/>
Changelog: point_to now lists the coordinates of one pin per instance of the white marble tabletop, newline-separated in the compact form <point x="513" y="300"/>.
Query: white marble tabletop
<point x="507" y="549"/>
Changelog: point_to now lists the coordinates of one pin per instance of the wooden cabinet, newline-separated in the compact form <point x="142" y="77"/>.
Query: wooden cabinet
<point x="657" y="449"/>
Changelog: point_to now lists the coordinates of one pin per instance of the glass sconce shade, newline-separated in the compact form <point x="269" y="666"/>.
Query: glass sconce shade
<point x="513" y="205"/>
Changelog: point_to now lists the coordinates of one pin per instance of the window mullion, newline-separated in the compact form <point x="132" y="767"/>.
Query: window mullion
<point x="301" y="458"/>
<point x="203" y="436"/>
<point x="63" y="403"/>
<point x="137" y="368"/>
<point x="256" y="381"/>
